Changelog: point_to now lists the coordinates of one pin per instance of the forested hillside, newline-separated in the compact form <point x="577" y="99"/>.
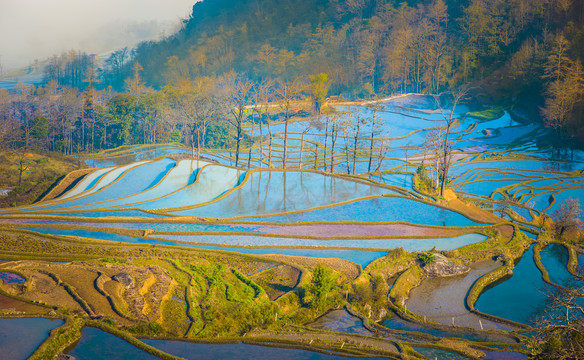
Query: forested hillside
<point x="233" y="53"/>
<point x="395" y="46"/>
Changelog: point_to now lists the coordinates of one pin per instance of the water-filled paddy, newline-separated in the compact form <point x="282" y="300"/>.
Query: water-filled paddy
<point x="98" y="214"/>
<point x="380" y="209"/>
<point x="554" y="258"/>
<point x="518" y="298"/>
<point x="362" y="258"/>
<point x="268" y="192"/>
<point x="342" y="321"/>
<point x="212" y="181"/>
<point x="259" y="241"/>
<point x="19" y="338"/>
<point x="11" y="278"/>
<point x="133" y="156"/>
<point x="442" y="299"/>
<point x="99" y="345"/>
<point x="400" y="324"/>
<point x="196" y="351"/>
<point x="432" y="353"/>
<point x="183" y="174"/>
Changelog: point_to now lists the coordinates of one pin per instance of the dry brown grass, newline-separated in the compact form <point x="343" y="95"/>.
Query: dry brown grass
<point x="345" y="267"/>
<point x="69" y="179"/>
<point x="277" y="281"/>
<point x="12" y="306"/>
<point x="40" y="287"/>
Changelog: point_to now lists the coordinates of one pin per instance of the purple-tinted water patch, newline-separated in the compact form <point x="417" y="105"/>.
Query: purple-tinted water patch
<point x="11" y="278"/>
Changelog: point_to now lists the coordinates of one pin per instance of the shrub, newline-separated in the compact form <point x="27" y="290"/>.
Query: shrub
<point x="426" y="258"/>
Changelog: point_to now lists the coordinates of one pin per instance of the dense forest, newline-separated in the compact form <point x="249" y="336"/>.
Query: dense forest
<point x="234" y="53"/>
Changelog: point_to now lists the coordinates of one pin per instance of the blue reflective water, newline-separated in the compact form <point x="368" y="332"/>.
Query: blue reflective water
<point x="406" y="244"/>
<point x="97" y="214"/>
<point x="381" y="209"/>
<point x="504" y="355"/>
<point x="240" y="351"/>
<point x="400" y="324"/>
<point x="342" y="321"/>
<point x="100" y="345"/>
<point x="554" y="258"/>
<point x="19" y="338"/>
<point x="268" y="192"/>
<point x="518" y="298"/>
<point x="362" y="258"/>
<point x="85" y="233"/>
<point x="432" y="353"/>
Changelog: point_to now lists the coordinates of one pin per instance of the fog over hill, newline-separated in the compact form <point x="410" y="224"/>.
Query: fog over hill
<point x="36" y="29"/>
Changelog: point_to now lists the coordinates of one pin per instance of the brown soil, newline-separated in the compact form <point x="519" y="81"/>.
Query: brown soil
<point x="9" y="305"/>
<point x="151" y="285"/>
<point x="277" y="281"/>
<point x="471" y="210"/>
<point x="69" y="179"/>
<point x="345" y="267"/>
<point x="40" y="287"/>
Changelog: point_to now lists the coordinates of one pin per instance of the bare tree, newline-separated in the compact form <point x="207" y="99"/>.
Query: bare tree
<point x="376" y="123"/>
<point x="288" y="92"/>
<point x="455" y="98"/>
<point x="263" y="95"/>
<point x="560" y="326"/>
<point x="237" y="94"/>
<point x="435" y="146"/>
<point x="567" y="216"/>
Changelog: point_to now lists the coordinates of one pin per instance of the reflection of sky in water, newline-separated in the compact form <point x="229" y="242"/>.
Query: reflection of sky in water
<point x="133" y="156"/>
<point x="522" y="295"/>
<point x="362" y="258"/>
<point x="554" y="258"/>
<point x="133" y="181"/>
<point x="268" y="192"/>
<point x="199" y="351"/>
<point x="382" y="209"/>
<point x="406" y="244"/>
<point x="19" y="338"/>
<point x="96" y="344"/>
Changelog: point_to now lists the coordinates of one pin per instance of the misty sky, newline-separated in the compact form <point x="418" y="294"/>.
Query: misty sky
<point x="37" y="29"/>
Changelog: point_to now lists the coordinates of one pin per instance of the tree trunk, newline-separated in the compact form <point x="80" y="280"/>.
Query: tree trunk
<point x="316" y="157"/>
<point x="371" y="143"/>
<point x="285" y="139"/>
<point x="239" y="121"/>
<point x="445" y="160"/>
<point x="301" y="149"/>
<point x="250" y="145"/>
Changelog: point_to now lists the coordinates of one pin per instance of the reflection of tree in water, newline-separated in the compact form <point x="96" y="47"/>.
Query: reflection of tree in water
<point x="561" y="159"/>
<point x="443" y="216"/>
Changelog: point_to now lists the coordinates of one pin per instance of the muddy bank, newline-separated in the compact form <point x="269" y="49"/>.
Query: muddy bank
<point x="441" y="299"/>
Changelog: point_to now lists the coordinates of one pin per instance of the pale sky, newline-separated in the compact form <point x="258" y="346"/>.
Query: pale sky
<point x="38" y="29"/>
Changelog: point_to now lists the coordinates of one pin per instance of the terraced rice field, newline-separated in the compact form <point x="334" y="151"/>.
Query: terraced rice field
<point x="355" y="201"/>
